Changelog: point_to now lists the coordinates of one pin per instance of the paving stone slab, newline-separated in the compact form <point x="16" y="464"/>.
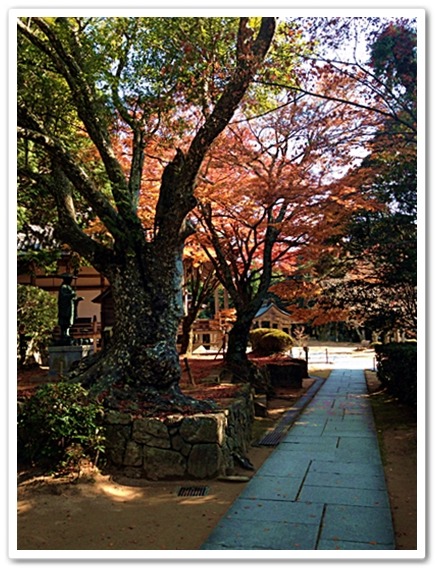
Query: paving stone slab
<point x="351" y="424"/>
<point x="284" y="455"/>
<point x="322" y="416"/>
<point x="329" y="545"/>
<point x="344" y="496"/>
<point x="273" y="488"/>
<point x="244" y="535"/>
<point x="282" y="466"/>
<point x="308" y="428"/>
<point x="371" y="456"/>
<point x="352" y="404"/>
<point x="325" y="403"/>
<point x="366" y="446"/>
<point x="362" y="481"/>
<point x="323" y="451"/>
<point x="347" y="468"/>
<point x="349" y="429"/>
<point x="371" y="525"/>
<point x="310" y="442"/>
<point x="362" y="443"/>
<point x="275" y="510"/>
<point x="365" y="415"/>
<point x="314" y="421"/>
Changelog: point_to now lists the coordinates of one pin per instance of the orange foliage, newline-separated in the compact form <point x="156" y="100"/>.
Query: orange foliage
<point x="282" y="175"/>
<point x="286" y="174"/>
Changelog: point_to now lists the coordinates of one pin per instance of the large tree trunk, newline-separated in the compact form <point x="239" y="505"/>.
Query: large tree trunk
<point x="142" y="362"/>
<point x="238" y="338"/>
<point x="236" y="358"/>
<point x="141" y="365"/>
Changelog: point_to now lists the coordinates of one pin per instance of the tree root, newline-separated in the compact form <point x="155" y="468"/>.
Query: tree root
<point x="140" y="379"/>
<point x="151" y="402"/>
<point x="129" y="386"/>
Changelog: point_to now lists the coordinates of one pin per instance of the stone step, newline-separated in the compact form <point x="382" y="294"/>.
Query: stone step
<point x="260" y="405"/>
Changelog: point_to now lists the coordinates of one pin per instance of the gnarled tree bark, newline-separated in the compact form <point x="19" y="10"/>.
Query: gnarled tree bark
<point x="145" y="275"/>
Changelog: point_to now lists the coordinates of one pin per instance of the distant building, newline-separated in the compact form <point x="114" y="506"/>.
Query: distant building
<point x="272" y="316"/>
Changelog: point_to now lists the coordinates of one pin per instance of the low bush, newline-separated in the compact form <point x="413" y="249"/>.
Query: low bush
<point x="266" y="341"/>
<point x="397" y="370"/>
<point x="256" y="335"/>
<point x="59" y="426"/>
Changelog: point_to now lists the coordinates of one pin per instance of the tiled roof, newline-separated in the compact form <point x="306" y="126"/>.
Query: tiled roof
<point x="265" y="307"/>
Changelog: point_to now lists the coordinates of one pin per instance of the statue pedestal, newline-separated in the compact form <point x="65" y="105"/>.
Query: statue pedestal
<point x="61" y="358"/>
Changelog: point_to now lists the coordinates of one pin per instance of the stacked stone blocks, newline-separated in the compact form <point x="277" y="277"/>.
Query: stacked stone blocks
<point x="198" y="446"/>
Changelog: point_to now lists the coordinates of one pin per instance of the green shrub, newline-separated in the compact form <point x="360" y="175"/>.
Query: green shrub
<point x="397" y="370"/>
<point x="256" y="335"/>
<point x="268" y="341"/>
<point x="37" y="312"/>
<point x="58" y="426"/>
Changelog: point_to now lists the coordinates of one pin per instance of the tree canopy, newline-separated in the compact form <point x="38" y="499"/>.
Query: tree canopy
<point x="123" y="127"/>
<point x="372" y="282"/>
<point x="145" y="85"/>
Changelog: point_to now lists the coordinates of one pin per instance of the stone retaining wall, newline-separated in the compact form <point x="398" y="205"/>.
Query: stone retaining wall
<point x="199" y="446"/>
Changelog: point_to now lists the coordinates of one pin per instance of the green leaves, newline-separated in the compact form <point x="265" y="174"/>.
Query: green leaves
<point x="393" y="56"/>
<point x="37" y="315"/>
<point x="154" y="63"/>
<point x="59" y="424"/>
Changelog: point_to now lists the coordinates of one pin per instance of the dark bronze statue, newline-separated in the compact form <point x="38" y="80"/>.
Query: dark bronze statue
<point x="67" y="306"/>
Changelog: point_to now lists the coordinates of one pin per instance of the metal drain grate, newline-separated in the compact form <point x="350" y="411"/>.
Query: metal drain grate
<point x="271" y="439"/>
<point x="274" y="437"/>
<point x="193" y="491"/>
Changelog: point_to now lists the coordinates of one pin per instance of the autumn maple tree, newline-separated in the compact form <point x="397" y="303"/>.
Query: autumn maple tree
<point x="372" y="283"/>
<point x="200" y="283"/>
<point x="280" y="168"/>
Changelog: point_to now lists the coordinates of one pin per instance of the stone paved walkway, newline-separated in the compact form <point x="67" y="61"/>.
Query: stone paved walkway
<point x="323" y="487"/>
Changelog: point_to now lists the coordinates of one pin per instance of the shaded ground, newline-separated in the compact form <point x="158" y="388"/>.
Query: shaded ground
<point x="397" y="431"/>
<point x="93" y="511"/>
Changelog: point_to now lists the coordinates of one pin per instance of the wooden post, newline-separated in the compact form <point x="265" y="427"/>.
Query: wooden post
<point x="94" y="333"/>
<point x="306" y="351"/>
<point x="188" y="369"/>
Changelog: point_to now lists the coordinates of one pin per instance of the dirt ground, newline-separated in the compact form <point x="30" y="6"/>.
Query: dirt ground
<point x="94" y="511"/>
<point x="397" y="431"/>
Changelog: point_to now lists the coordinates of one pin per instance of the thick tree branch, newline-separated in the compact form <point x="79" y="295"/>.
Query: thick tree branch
<point x="138" y="143"/>
<point x="68" y="229"/>
<point x="89" y="110"/>
<point x="184" y="168"/>
<point x="250" y="56"/>
<point x="390" y="115"/>
<point x="30" y="128"/>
